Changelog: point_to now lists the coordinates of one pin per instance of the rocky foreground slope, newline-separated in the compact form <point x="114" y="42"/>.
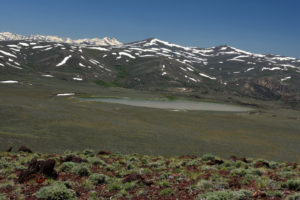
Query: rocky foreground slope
<point x="87" y="175"/>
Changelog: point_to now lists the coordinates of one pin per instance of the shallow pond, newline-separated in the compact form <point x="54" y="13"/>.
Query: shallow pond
<point x="175" y="105"/>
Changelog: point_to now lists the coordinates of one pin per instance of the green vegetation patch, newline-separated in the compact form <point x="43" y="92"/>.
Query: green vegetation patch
<point x="106" y="83"/>
<point x="122" y="71"/>
<point x="56" y="191"/>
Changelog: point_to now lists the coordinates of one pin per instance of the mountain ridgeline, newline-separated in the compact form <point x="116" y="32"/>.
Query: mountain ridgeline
<point x="152" y="64"/>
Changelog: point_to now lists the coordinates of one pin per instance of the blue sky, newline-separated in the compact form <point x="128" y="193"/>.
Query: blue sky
<point x="260" y="26"/>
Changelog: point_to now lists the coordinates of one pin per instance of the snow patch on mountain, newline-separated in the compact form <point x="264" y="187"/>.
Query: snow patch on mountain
<point x="286" y="78"/>
<point x="125" y="54"/>
<point x="47" y="75"/>
<point x="64" y="61"/>
<point x="98" y="48"/>
<point x="65" y="94"/>
<point x="7" y="54"/>
<point x="271" y="69"/>
<point x="94" y="41"/>
<point x="24" y="44"/>
<point x="77" y="79"/>
<point x="41" y="47"/>
<point x="206" y="76"/>
<point x="9" y="82"/>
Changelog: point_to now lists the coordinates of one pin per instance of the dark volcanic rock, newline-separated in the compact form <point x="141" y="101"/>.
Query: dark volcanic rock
<point x="137" y="177"/>
<point x="259" y="164"/>
<point x="25" y="176"/>
<point x="132" y="177"/>
<point x="188" y="157"/>
<point x="38" y="168"/>
<point x="215" y="162"/>
<point x="72" y="158"/>
<point x="9" y="149"/>
<point x="25" y="149"/>
<point x="104" y="153"/>
<point x="259" y="194"/>
<point x="266" y="88"/>
<point x="234" y="158"/>
<point x="235" y="183"/>
<point x="293" y="165"/>
<point x="244" y="160"/>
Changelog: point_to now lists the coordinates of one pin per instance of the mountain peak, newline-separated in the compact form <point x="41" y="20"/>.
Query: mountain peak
<point x="106" y="41"/>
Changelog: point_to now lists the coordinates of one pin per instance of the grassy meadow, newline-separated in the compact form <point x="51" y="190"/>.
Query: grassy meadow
<point x="32" y="115"/>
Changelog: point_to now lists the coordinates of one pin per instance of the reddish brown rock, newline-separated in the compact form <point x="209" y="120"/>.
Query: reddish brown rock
<point x="293" y="165"/>
<point x="137" y="177"/>
<point x="215" y="162"/>
<point x="104" y="153"/>
<point x="234" y="158"/>
<point x="259" y="164"/>
<point x="235" y="183"/>
<point x="244" y="160"/>
<point x="38" y="168"/>
<point x="72" y="158"/>
<point x="9" y="149"/>
<point x="259" y="194"/>
<point x="187" y="157"/>
<point x="132" y="177"/>
<point x="24" y="149"/>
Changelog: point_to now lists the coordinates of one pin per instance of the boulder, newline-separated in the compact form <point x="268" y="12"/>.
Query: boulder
<point x="38" y="168"/>
<point x="24" y="149"/>
<point x="104" y="153"/>
<point x="72" y="158"/>
<point x="9" y="149"/>
<point x="259" y="164"/>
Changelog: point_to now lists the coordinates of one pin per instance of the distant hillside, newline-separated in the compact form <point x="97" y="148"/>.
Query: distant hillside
<point x="153" y="64"/>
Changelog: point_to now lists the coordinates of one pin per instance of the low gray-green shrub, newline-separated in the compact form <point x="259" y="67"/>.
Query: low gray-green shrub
<point x="293" y="184"/>
<point x="67" y="166"/>
<point x="207" y="157"/>
<point x="3" y="197"/>
<point x="293" y="197"/>
<point x="9" y="185"/>
<point x="97" y="179"/>
<point x="115" y="185"/>
<point x="195" y="162"/>
<point x="238" y="172"/>
<point x="88" y="152"/>
<point x="93" y="195"/>
<point x="129" y="185"/>
<point x="56" y="191"/>
<point x="204" y="185"/>
<point x="146" y="171"/>
<point x="81" y="170"/>
<point x="274" y="194"/>
<point x="165" y="175"/>
<point x="226" y="195"/>
<point x="87" y="185"/>
<point x="96" y="161"/>
<point x="164" y="183"/>
<point x="167" y="192"/>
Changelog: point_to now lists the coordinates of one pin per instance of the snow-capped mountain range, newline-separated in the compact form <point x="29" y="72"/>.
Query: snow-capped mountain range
<point x="4" y="36"/>
<point x="153" y="64"/>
